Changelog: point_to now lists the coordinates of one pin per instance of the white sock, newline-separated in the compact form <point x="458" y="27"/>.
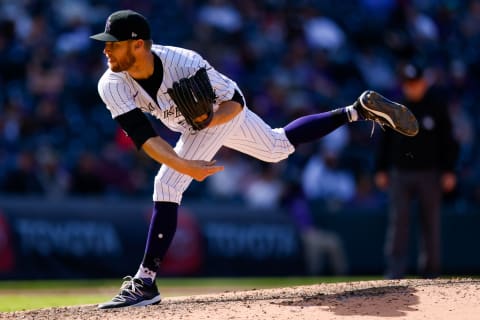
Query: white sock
<point x="352" y="113"/>
<point x="145" y="273"/>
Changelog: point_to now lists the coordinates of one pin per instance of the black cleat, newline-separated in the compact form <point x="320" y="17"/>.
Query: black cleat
<point x="134" y="292"/>
<point x="373" y="106"/>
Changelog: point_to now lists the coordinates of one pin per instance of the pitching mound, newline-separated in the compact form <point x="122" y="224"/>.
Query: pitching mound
<point x="406" y="299"/>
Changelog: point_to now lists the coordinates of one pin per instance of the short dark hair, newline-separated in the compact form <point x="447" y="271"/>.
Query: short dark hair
<point x="148" y="44"/>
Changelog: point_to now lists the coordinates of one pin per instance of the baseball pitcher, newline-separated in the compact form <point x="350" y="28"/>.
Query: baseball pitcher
<point x="183" y="91"/>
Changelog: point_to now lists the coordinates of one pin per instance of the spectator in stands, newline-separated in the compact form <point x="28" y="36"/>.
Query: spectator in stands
<point x="265" y="189"/>
<point x="53" y="177"/>
<point x="323" y="249"/>
<point x="86" y="180"/>
<point x="230" y="186"/>
<point x="325" y="181"/>
<point x="23" y="179"/>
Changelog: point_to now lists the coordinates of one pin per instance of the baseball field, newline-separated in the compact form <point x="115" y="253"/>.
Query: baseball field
<point x="251" y="298"/>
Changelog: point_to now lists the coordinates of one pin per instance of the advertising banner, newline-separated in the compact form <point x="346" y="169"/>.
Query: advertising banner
<point x="82" y="238"/>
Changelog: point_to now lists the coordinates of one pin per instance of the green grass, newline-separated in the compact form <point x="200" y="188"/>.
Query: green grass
<point x="19" y="302"/>
<point x="28" y="295"/>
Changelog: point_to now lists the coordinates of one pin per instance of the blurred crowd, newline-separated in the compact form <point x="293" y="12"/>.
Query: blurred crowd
<point x="289" y="57"/>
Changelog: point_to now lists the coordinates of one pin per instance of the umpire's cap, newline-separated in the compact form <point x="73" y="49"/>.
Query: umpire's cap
<point x="124" y="25"/>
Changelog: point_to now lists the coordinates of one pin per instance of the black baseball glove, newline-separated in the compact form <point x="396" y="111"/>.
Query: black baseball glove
<point x="194" y="97"/>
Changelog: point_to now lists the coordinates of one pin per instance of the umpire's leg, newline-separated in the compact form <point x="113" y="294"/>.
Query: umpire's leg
<point x="396" y="244"/>
<point x="430" y="197"/>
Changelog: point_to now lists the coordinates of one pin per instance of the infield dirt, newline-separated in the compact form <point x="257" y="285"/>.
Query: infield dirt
<point x="441" y="299"/>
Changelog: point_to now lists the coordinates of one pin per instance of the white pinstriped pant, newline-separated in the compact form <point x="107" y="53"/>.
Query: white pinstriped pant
<point x="246" y="133"/>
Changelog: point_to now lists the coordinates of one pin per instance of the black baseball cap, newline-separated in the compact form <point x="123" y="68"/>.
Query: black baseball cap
<point x="124" y="25"/>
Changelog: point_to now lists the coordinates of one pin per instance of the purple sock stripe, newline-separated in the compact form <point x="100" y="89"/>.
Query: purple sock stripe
<point x="313" y="127"/>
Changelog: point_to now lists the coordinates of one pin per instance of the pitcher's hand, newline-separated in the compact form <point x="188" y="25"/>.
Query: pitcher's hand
<point x="200" y="169"/>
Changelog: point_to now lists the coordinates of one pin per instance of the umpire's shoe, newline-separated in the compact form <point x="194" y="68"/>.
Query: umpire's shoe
<point x="373" y="106"/>
<point x="134" y="292"/>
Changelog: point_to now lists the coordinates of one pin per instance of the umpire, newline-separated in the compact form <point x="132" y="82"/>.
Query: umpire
<point x="419" y="168"/>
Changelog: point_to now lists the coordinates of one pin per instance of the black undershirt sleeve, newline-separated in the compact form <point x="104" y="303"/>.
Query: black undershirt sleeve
<point x="137" y="126"/>
<point x="237" y="97"/>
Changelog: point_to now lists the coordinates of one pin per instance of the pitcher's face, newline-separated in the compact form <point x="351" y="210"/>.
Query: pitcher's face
<point x="119" y="55"/>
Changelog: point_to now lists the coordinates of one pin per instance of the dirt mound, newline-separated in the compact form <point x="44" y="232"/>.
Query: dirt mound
<point x="409" y="299"/>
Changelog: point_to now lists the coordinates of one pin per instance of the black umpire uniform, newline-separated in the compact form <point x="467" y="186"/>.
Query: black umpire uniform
<point x="414" y="169"/>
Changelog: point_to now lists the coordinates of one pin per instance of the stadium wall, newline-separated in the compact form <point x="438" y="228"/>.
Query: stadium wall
<point x="98" y="238"/>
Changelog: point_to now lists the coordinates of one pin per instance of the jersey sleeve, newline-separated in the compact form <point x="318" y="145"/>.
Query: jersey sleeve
<point x="117" y="95"/>
<point x="223" y="86"/>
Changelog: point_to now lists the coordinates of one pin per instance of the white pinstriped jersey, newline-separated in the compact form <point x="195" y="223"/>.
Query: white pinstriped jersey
<point x="121" y="93"/>
<point x="246" y="133"/>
